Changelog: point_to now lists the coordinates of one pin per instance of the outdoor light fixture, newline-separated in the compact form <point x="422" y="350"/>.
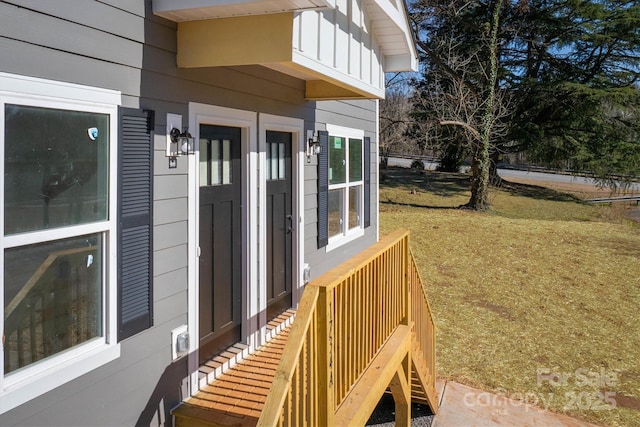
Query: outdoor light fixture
<point x="182" y="143"/>
<point x="178" y="143"/>
<point x="313" y="145"/>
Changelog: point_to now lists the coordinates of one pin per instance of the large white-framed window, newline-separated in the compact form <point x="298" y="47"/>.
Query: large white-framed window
<point x="58" y="224"/>
<point x="346" y="185"/>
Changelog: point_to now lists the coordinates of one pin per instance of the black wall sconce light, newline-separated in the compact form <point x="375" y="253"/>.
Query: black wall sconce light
<point x="178" y="143"/>
<point x="313" y="145"/>
<point x="182" y="143"/>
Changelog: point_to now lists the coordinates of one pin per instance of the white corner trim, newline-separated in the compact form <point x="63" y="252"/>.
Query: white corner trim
<point x="377" y="169"/>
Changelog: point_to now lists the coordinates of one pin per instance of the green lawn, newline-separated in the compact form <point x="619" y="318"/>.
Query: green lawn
<point x="538" y="298"/>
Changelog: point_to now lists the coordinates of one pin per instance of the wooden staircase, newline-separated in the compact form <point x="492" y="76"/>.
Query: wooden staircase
<point x="360" y="330"/>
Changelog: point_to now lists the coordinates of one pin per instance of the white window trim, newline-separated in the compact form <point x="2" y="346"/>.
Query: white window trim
<point x="65" y="366"/>
<point x="356" y="232"/>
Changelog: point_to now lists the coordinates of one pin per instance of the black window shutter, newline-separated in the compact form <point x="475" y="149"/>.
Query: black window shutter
<point x="323" y="189"/>
<point x="135" y="221"/>
<point x="367" y="181"/>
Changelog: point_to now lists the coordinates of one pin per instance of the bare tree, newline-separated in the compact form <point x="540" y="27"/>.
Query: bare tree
<point x="461" y="105"/>
<point x="395" y="117"/>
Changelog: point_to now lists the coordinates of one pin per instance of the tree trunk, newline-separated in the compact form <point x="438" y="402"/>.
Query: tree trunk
<point x="481" y="162"/>
<point x="479" y="200"/>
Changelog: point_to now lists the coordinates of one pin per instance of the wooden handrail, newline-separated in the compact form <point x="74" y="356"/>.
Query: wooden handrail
<point x="290" y="362"/>
<point x="424" y="337"/>
<point x="343" y="331"/>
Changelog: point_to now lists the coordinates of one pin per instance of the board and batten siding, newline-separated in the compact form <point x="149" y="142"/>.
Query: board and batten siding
<point x="341" y="40"/>
<point x="121" y="45"/>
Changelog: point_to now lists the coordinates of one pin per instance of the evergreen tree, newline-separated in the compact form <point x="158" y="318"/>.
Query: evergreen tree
<point x="567" y="72"/>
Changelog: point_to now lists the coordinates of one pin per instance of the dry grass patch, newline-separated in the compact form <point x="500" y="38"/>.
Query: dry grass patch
<point x="537" y="285"/>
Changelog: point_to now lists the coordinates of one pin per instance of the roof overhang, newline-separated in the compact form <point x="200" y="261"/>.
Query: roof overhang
<point x="192" y="10"/>
<point x="214" y="33"/>
<point x="390" y="22"/>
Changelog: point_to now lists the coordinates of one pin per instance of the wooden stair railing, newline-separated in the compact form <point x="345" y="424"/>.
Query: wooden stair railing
<point x="50" y="312"/>
<point x="423" y="342"/>
<point x="353" y="338"/>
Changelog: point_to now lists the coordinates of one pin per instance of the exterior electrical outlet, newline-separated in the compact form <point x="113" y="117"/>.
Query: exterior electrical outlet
<point x="179" y="342"/>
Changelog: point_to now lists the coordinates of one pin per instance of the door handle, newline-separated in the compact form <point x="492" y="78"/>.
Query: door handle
<point x="289" y="224"/>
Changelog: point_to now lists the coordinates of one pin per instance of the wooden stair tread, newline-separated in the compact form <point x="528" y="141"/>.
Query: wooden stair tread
<point x="196" y="416"/>
<point x="237" y="397"/>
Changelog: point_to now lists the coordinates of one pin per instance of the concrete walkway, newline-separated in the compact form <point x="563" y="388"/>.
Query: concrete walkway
<point x="469" y="407"/>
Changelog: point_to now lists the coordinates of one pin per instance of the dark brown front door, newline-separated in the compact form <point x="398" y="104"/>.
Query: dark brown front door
<point x="220" y="239"/>
<point x="280" y="222"/>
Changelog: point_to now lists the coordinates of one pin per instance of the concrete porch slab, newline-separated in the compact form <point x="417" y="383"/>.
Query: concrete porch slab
<point x="461" y="405"/>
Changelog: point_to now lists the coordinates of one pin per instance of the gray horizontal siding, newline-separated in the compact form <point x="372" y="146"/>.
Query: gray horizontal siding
<point x="32" y="60"/>
<point x="171" y="210"/>
<point x="161" y="165"/>
<point x="58" y="34"/>
<point x="357" y="113"/>
<point x="135" y="7"/>
<point x="166" y="310"/>
<point x="120" y="45"/>
<point x="165" y="285"/>
<point x="170" y="259"/>
<point x="115" y="48"/>
<point x="310" y="201"/>
<point x="169" y="187"/>
<point x="124" y="23"/>
<point x="107" y="397"/>
<point x="171" y="234"/>
<point x="71" y="49"/>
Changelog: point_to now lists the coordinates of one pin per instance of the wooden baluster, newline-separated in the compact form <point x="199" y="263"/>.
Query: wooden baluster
<point x="406" y="283"/>
<point x="326" y="358"/>
<point x="312" y="370"/>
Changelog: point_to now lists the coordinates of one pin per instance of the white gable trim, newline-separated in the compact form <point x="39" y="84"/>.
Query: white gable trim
<point x="395" y="36"/>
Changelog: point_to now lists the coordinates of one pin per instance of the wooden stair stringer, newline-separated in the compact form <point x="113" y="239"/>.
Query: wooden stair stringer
<point x="421" y="378"/>
<point x="362" y="399"/>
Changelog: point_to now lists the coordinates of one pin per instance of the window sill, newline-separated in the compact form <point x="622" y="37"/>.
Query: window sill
<point x="40" y="381"/>
<point x="336" y="242"/>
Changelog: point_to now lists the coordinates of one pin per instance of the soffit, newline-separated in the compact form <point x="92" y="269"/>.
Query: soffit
<point x="192" y="10"/>
<point x="390" y="24"/>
